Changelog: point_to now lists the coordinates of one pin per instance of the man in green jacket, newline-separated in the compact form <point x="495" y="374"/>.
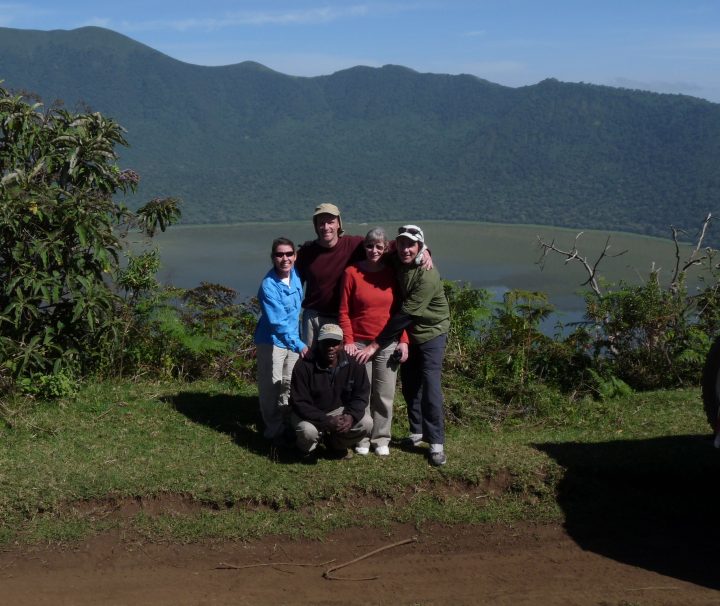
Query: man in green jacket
<point x="425" y="313"/>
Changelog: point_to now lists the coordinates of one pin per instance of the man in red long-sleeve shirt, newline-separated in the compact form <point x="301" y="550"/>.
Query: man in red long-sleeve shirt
<point x="321" y="264"/>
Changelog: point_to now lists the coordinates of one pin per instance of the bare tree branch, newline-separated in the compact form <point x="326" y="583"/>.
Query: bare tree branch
<point x="693" y="258"/>
<point x="573" y="254"/>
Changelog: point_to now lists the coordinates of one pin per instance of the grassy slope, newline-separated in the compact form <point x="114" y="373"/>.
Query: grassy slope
<point x="189" y="457"/>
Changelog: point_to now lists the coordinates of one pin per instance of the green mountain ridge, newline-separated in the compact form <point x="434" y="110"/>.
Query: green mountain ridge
<point x="244" y="143"/>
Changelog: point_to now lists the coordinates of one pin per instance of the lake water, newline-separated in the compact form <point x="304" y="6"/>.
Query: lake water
<point x="491" y="256"/>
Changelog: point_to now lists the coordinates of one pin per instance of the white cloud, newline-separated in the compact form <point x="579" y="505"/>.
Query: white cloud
<point x="313" y="15"/>
<point x="308" y="16"/>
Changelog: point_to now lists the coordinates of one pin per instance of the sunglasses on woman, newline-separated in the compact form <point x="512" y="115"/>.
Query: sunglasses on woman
<point x="279" y="254"/>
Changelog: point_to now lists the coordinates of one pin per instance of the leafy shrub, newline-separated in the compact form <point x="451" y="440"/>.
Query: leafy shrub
<point x="609" y="388"/>
<point x="138" y="276"/>
<point x="189" y="333"/>
<point x="49" y="387"/>
<point x="646" y="335"/>
<point x="57" y="245"/>
<point x="60" y="237"/>
<point x="499" y="365"/>
<point x="469" y="307"/>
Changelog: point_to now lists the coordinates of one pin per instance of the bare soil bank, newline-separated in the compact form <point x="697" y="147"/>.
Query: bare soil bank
<point x="485" y="564"/>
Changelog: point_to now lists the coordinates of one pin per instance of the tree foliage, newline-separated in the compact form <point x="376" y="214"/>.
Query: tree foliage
<point x="502" y="365"/>
<point x="646" y="334"/>
<point x="57" y="245"/>
<point x="650" y="335"/>
<point x="59" y="242"/>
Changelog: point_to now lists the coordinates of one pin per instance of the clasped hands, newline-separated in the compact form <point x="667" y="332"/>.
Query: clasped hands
<point x="340" y="423"/>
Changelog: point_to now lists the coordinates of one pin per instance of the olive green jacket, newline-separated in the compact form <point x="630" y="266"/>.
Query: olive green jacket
<point x="424" y="300"/>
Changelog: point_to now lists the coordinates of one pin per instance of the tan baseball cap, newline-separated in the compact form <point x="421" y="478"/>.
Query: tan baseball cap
<point x="329" y="209"/>
<point x="330" y="331"/>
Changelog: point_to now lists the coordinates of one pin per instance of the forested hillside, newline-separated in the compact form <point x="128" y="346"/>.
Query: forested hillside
<point x="243" y="142"/>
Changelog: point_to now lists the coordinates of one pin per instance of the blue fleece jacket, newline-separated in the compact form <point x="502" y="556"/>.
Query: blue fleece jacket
<point x="280" y="312"/>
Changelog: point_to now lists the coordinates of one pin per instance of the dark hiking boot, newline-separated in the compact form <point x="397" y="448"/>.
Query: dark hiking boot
<point x="341" y="454"/>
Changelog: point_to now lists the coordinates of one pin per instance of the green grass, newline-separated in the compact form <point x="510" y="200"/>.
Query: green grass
<point x="185" y="462"/>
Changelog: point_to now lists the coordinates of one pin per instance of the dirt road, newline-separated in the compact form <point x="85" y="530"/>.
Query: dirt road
<point x="522" y="564"/>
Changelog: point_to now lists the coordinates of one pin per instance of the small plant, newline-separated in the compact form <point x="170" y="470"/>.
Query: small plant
<point x="609" y="388"/>
<point x="49" y="386"/>
<point x="138" y="277"/>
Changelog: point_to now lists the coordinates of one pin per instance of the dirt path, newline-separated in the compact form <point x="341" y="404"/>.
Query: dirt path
<point x="523" y="564"/>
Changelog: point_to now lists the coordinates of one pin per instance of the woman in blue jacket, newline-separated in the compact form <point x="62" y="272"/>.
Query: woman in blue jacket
<point x="277" y="337"/>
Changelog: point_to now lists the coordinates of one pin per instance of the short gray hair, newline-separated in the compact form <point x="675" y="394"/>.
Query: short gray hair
<point x="376" y="234"/>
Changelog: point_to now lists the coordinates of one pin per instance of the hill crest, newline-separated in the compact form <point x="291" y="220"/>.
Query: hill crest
<point x="243" y="142"/>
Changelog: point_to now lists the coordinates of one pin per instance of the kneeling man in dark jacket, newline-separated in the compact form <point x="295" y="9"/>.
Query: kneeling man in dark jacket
<point x="328" y="397"/>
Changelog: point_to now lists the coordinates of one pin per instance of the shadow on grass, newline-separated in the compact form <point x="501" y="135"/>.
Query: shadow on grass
<point x="649" y="503"/>
<point x="236" y="416"/>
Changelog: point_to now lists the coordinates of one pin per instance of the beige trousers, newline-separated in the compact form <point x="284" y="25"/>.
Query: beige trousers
<point x="382" y="373"/>
<point x="308" y="436"/>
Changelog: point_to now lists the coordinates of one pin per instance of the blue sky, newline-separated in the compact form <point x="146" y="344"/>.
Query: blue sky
<point x="661" y="45"/>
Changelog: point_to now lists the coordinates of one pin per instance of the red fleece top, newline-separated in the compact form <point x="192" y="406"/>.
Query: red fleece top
<point x="367" y="300"/>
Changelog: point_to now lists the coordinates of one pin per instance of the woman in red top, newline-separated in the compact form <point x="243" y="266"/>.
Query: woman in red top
<point x="367" y="300"/>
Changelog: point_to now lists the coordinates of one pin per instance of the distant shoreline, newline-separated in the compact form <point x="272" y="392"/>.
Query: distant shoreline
<point x="573" y="230"/>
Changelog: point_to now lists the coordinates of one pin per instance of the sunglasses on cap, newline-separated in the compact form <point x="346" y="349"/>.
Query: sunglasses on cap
<point x="279" y="255"/>
<point x="407" y="229"/>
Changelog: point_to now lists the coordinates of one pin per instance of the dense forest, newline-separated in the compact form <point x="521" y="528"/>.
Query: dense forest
<point x="243" y="142"/>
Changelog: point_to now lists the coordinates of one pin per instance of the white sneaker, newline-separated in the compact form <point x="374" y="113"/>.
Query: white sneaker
<point x="382" y="451"/>
<point x="362" y="450"/>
